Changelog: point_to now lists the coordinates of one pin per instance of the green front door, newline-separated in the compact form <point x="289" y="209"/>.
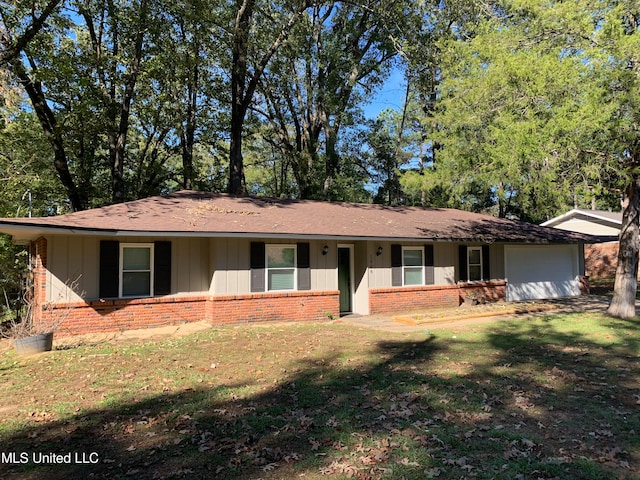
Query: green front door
<point x="344" y="279"/>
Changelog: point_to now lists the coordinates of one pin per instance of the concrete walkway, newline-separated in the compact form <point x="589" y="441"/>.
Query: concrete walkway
<point x="455" y="317"/>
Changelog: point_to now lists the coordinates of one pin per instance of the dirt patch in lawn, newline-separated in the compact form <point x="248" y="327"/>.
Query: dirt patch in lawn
<point x="476" y="311"/>
<point x="133" y="335"/>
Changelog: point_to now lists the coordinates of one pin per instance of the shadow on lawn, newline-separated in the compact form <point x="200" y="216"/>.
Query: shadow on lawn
<point x="517" y="411"/>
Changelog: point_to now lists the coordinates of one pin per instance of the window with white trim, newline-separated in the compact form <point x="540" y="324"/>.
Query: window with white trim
<point x="281" y="267"/>
<point x="412" y="266"/>
<point x="474" y="263"/>
<point x="136" y="269"/>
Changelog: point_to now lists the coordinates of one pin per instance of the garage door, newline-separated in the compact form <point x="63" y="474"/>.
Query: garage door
<point x="536" y="272"/>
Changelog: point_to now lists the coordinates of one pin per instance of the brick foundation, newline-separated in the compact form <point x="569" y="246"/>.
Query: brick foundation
<point x="277" y="306"/>
<point x="601" y="259"/>
<point x="398" y="299"/>
<point x="117" y="315"/>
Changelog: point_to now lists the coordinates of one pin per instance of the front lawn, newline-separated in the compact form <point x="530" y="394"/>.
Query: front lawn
<point x="552" y="397"/>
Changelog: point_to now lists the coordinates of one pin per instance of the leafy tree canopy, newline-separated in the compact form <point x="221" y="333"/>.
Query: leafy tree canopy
<point x="538" y="105"/>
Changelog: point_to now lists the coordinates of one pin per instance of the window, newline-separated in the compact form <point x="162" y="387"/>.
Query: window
<point x="136" y="270"/>
<point x="412" y="266"/>
<point x="281" y="267"/>
<point x="474" y="264"/>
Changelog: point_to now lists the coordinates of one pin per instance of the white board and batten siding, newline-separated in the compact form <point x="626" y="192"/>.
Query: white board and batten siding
<point x="542" y="271"/>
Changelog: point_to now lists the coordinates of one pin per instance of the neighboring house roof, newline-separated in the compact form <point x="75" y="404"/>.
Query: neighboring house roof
<point x="613" y="218"/>
<point x="594" y="222"/>
<point x="189" y="213"/>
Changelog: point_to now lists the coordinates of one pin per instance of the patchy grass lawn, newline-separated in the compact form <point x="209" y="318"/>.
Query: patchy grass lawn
<point x="552" y="397"/>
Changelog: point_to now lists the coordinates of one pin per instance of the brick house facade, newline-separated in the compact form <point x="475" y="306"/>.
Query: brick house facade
<point x="194" y="256"/>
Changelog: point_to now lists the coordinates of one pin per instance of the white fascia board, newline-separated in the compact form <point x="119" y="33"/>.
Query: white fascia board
<point x="27" y="233"/>
<point x="575" y="212"/>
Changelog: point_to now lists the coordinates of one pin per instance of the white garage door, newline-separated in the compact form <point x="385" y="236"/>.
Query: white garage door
<point x="545" y="271"/>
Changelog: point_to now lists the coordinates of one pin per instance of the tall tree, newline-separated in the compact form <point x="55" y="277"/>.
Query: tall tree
<point x="250" y="58"/>
<point x="81" y="74"/>
<point x="21" y="25"/>
<point x="550" y="95"/>
<point x="336" y="58"/>
<point x="117" y="34"/>
<point x="395" y="146"/>
<point x="182" y="106"/>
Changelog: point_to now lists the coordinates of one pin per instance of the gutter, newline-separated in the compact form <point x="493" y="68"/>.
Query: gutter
<point x="34" y="232"/>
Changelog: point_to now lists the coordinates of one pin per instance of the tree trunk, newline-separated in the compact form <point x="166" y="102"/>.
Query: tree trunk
<point x="49" y="126"/>
<point x="332" y="162"/>
<point x="120" y="147"/>
<point x="238" y="95"/>
<point x="236" y="161"/>
<point x="241" y="90"/>
<point x="188" y="136"/>
<point x="623" y="303"/>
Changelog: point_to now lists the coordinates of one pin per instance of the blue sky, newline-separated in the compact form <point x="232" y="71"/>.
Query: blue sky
<point x="390" y="95"/>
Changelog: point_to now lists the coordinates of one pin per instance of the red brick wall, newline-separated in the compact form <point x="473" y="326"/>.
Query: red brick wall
<point x="274" y="306"/>
<point x="38" y="252"/>
<point x="118" y="315"/>
<point x="398" y="299"/>
<point x="601" y="259"/>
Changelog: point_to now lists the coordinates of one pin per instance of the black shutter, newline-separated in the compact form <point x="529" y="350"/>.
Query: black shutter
<point x="396" y="265"/>
<point x="258" y="262"/>
<point x="304" y="267"/>
<point x="462" y="263"/>
<point x="486" y="271"/>
<point x="429" y="269"/>
<point x="109" y="269"/>
<point x="162" y="268"/>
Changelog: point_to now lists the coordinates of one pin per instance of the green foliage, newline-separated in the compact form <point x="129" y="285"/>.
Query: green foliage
<point x="25" y="161"/>
<point x="534" y="104"/>
<point x="395" y="142"/>
<point x="527" y="107"/>
<point x="337" y="55"/>
<point x="13" y="281"/>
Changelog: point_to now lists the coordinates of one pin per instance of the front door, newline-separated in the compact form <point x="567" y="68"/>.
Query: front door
<point x="344" y="279"/>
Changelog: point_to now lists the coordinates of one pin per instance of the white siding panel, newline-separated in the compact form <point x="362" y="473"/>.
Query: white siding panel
<point x="445" y="256"/>
<point x="587" y="226"/>
<point x="379" y="265"/>
<point x="190" y="265"/>
<point x="360" y="278"/>
<point x="324" y="272"/>
<point x="72" y="269"/>
<point x="231" y="274"/>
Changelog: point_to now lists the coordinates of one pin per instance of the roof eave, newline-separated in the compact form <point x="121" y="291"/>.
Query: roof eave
<point x="25" y="233"/>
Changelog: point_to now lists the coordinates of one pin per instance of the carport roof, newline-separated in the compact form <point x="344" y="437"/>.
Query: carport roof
<point x="190" y="213"/>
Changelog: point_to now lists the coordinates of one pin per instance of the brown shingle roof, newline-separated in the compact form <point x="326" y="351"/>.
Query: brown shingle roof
<point x="213" y="214"/>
